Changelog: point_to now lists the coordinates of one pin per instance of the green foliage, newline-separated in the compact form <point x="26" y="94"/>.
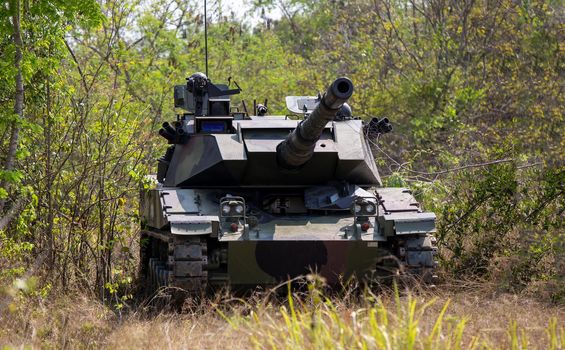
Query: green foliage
<point x="463" y="83"/>
<point x="506" y="223"/>
<point x="395" y="180"/>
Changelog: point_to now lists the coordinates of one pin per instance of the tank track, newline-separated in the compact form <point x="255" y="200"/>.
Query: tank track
<point x="175" y="266"/>
<point x="173" y="262"/>
<point x="412" y="259"/>
<point x="419" y="258"/>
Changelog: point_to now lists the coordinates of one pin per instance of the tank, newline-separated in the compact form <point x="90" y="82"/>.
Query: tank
<point x="242" y="198"/>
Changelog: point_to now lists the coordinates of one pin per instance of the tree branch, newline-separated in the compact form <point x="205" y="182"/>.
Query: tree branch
<point x="14" y="211"/>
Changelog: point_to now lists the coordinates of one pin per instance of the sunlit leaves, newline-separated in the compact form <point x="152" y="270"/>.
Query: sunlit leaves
<point x="462" y="82"/>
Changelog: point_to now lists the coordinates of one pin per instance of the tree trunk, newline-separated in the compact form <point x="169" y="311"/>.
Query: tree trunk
<point x="49" y="239"/>
<point x="19" y="98"/>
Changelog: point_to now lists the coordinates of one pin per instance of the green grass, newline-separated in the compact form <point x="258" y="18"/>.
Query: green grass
<point x="316" y="321"/>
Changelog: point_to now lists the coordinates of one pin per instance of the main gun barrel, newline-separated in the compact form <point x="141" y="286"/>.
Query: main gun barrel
<point x="298" y="147"/>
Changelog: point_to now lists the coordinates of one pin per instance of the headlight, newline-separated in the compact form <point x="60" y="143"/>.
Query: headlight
<point x="226" y="209"/>
<point x="232" y="207"/>
<point x="370" y="208"/>
<point x="357" y="208"/>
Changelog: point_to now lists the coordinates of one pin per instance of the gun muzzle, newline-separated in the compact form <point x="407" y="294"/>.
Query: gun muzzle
<point x="169" y="128"/>
<point x="170" y="137"/>
<point x="379" y="126"/>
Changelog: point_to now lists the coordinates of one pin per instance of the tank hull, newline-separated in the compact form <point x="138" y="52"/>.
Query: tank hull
<point x="270" y="262"/>
<point x="185" y="245"/>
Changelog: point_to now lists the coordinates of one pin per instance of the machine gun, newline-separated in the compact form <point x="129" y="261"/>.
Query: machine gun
<point x="201" y="97"/>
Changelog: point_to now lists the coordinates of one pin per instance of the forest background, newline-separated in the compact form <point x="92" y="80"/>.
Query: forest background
<point x="474" y="90"/>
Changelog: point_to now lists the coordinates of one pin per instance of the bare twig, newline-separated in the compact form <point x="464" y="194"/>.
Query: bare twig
<point x="82" y="78"/>
<point x="402" y="166"/>
<point x="478" y="165"/>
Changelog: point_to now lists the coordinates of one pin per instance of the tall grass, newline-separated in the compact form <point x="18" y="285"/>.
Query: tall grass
<point x="316" y="321"/>
<point x="301" y="318"/>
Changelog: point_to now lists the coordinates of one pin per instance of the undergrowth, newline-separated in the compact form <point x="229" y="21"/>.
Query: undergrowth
<point x="391" y="321"/>
<point x="296" y="318"/>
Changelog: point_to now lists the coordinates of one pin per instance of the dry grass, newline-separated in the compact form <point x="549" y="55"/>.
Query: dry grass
<point x="469" y="317"/>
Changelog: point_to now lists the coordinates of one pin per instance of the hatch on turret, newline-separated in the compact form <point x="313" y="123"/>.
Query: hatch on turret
<point x="302" y="104"/>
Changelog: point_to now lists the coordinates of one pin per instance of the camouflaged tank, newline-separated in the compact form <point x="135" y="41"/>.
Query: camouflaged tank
<point x="245" y="199"/>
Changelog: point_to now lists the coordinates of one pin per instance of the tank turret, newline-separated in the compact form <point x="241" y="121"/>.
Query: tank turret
<point x="298" y="147"/>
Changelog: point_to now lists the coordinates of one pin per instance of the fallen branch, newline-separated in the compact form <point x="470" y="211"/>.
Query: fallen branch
<point x="14" y="211"/>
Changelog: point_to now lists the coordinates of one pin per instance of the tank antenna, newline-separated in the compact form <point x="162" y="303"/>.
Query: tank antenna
<point x="206" y="38"/>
